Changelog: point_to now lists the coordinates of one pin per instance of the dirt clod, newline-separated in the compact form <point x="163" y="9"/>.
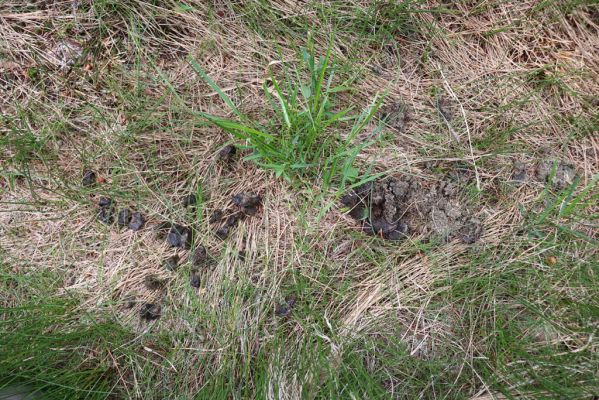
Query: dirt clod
<point x="89" y="178"/>
<point x="248" y="202"/>
<point x="393" y="208"/>
<point x="471" y="231"/>
<point x="171" y="263"/>
<point x="227" y="153"/>
<point x="137" y="221"/>
<point x="395" y="115"/>
<point x="564" y="173"/>
<point x="150" y="311"/>
<point x="124" y="217"/>
<point x="179" y="236"/>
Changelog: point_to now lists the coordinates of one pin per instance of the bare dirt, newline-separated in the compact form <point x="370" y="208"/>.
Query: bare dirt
<point x="563" y="176"/>
<point x="395" y="208"/>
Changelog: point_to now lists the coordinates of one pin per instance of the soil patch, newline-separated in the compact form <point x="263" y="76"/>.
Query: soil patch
<point x="394" y="208"/>
<point x="562" y="177"/>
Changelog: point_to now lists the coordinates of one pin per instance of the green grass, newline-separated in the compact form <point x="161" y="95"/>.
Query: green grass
<point x="517" y="316"/>
<point x="304" y="139"/>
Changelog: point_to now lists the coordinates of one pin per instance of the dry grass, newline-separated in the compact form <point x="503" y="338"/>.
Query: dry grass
<point x="82" y="88"/>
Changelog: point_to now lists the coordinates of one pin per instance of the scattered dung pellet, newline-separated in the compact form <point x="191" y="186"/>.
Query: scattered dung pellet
<point x="189" y="200"/>
<point x="171" y="262"/>
<point x="227" y="153"/>
<point x="124" y="217"/>
<point x="153" y="282"/>
<point x="284" y="309"/>
<point x="199" y="257"/>
<point x="89" y="178"/>
<point x="471" y="231"/>
<point x="105" y="202"/>
<point x="519" y="174"/>
<point x="150" y="311"/>
<point x="106" y="215"/>
<point x="137" y="221"/>
<point x="222" y="232"/>
<point x="216" y="216"/>
<point x="106" y="211"/>
<point x="247" y="202"/>
<point x="241" y="255"/>
<point x="232" y="220"/>
<point x="194" y="280"/>
<point x="179" y="236"/>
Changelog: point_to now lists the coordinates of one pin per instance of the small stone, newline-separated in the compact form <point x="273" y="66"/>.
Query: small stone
<point x="124" y="217"/>
<point x="227" y="153"/>
<point x="189" y="200"/>
<point x="89" y="178"/>
<point x="194" y="280"/>
<point x="150" y="311"/>
<point x="171" y="263"/>
<point x="137" y="221"/>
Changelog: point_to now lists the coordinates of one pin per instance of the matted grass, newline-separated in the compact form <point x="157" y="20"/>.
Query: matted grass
<point x="472" y="88"/>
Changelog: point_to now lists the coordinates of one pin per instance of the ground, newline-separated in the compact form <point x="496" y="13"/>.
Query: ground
<point x="315" y="199"/>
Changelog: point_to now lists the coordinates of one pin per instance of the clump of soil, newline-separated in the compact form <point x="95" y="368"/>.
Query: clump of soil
<point x="171" y="263"/>
<point x="395" y="115"/>
<point x="564" y="173"/>
<point x="150" y="311"/>
<point x="227" y="153"/>
<point x="106" y="211"/>
<point x="179" y="236"/>
<point x="89" y="178"/>
<point x="137" y="221"/>
<point x="394" y="208"/>
<point x="248" y="203"/>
